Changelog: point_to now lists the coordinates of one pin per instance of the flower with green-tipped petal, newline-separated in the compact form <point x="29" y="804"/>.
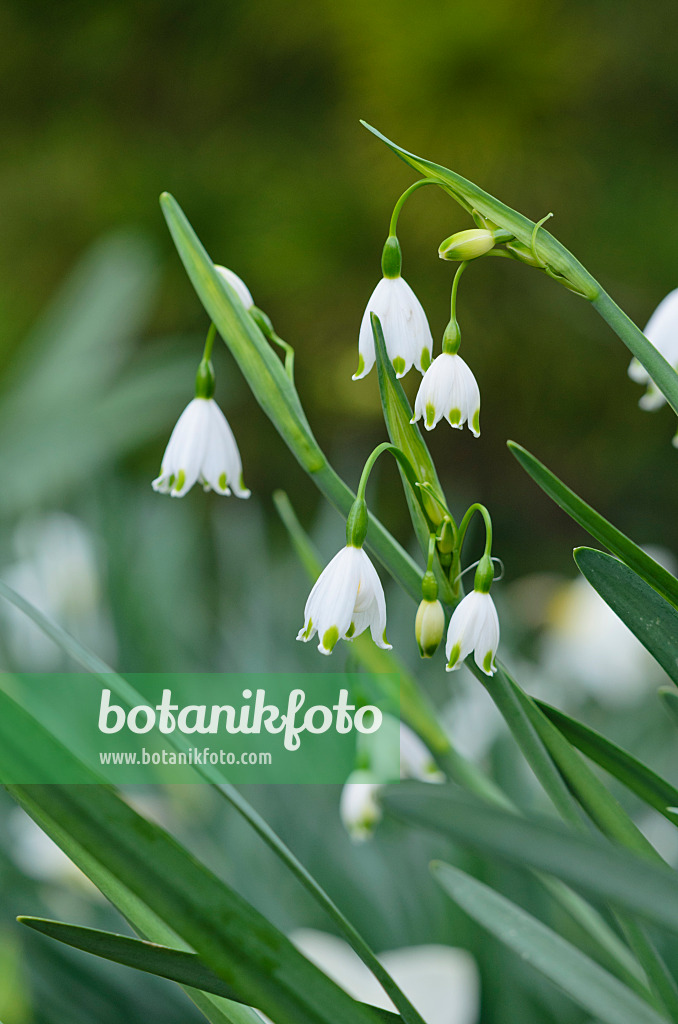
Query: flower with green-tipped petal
<point x="474" y="626"/>
<point x="407" y="335"/>
<point x="201" y="448"/>
<point x="448" y="389"/>
<point x="347" y="599"/>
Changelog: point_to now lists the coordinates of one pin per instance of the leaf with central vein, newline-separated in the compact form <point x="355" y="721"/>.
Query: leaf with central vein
<point x="583" y="980"/>
<point x="613" y="539"/>
<point x="649" y="617"/>
<point x="603" y="871"/>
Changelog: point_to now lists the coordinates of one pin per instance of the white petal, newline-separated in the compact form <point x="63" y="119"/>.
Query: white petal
<point x="371" y="603"/>
<point x="358" y="807"/>
<point x="406" y="331"/>
<point x="185" y="450"/>
<point x="435" y="390"/>
<point x="331" y="601"/>
<point x="238" y="286"/>
<point x="637" y="372"/>
<point x="662" y="330"/>
<point x="474" y="626"/>
<point x="662" y="327"/>
<point x="222" y="458"/>
<point x="464" y="397"/>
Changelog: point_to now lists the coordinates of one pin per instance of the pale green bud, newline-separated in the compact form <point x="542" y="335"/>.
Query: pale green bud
<point x="467" y="245"/>
<point x="429" y="627"/>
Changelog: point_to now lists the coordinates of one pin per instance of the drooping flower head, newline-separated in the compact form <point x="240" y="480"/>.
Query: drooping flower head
<point x="474" y="625"/>
<point x="662" y="331"/>
<point x="202" y="447"/>
<point x="347" y="597"/>
<point x="448" y="389"/>
<point x="406" y="331"/>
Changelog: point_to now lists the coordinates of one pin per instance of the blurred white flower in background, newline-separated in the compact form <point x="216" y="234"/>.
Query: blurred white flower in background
<point x="587" y="642"/>
<point x="37" y="856"/>
<point x="57" y="571"/>
<point x="359" y="805"/>
<point x="441" y="982"/>
<point x="662" y="330"/>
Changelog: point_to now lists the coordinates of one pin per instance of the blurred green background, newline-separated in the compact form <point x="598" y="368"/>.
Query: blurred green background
<point x="248" y="112"/>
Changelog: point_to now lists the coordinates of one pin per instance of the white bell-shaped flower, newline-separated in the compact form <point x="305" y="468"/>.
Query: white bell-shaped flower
<point x="237" y="285"/>
<point x="474" y="626"/>
<point x="406" y="331"/>
<point x="346" y="599"/>
<point x="358" y="806"/>
<point x="662" y="331"/>
<point x="201" y="448"/>
<point x="448" y="389"/>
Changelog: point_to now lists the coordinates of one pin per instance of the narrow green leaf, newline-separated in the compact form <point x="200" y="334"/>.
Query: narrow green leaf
<point x="602" y="870"/>
<point x="635" y="775"/>
<point x="426" y="513"/>
<point x="228" y="934"/>
<point x="661" y="371"/>
<point x="146" y="924"/>
<point x="582" y="782"/>
<point x="584" y="981"/>
<point x="507" y="700"/>
<point x="613" y="539"/>
<point x="649" y="617"/>
<point x="669" y="699"/>
<point x="163" y="961"/>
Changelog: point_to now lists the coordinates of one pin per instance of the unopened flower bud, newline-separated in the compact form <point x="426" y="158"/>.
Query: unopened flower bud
<point x="429" y="627"/>
<point x="467" y="245"/>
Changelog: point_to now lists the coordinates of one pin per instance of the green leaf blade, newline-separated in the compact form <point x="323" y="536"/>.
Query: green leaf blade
<point x="628" y="770"/>
<point x="584" y="981"/>
<point x="599" y="869"/>
<point x="599" y="528"/>
<point x="649" y="617"/>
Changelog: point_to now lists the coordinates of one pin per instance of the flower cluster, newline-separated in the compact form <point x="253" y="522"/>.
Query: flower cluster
<point x="449" y="388"/>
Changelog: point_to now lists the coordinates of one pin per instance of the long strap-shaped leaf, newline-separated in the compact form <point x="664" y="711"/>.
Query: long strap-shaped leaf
<point x="584" y="981"/>
<point x="599" y="528"/>
<point x="645" y="612"/>
<point x="635" y="775"/>
<point x="229" y="935"/>
<point x="603" y="871"/>
<point x="163" y="961"/>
